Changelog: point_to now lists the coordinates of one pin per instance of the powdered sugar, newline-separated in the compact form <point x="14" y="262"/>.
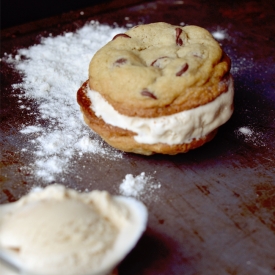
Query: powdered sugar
<point x="246" y="131"/>
<point x="219" y="35"/>
<point x="250" y="136"/>
<point x="31" y="129"/>
<point x="52" y="72"/>
<point x="241" y="64"/>
<point x="137" y="186"/>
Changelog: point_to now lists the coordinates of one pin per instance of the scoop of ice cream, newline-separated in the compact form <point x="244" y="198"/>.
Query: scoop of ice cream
<point x="60" y="231"/>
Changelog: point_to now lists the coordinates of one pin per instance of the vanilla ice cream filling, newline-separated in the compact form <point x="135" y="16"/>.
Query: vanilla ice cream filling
<point x="178" y="128"/>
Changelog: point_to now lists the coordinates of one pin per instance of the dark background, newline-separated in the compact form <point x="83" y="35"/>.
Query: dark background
<point x="16" y="12"/>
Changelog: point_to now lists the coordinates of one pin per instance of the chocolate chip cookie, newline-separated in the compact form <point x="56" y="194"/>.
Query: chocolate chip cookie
<point x="158" y="88"/>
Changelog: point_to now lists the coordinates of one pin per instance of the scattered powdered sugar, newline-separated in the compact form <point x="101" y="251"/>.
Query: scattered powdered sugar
<point x="31" y="129"/>
<point x="219" y="35"/>
<point x="250" y="136"/>
<point x="246" y="131"/>
<point x="52" y="72"/>
<point x="137" y="186"/>
<point x="240" y="64"/>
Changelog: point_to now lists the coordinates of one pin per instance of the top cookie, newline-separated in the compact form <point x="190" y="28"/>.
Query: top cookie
<point x="159" y="69"/>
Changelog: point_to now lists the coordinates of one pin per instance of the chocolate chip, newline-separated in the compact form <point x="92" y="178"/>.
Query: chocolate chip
<point x="121" y="34"/>
<point x="197" y="55"/>
<point x="120" y="61"/>
<point x="145" y="92"/>
<point x="179" y="41"/>
<point x="154" y="62"/>
<point x="182" y="70"/>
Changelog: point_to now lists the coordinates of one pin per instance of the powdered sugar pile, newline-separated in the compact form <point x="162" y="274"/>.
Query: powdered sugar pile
<point x="52" y="72"/>
<point x="137" y="186"/>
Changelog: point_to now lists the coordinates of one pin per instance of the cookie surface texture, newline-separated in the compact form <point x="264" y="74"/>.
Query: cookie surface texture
<point x="157" y="71"/>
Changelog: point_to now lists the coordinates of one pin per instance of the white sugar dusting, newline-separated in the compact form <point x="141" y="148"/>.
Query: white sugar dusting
<point x="246" y="131"/>
<point x="31" y="129"/>
<point x="220" y="34"/>
<point x="52" y="72"/>
<point x="250" y="136"/>
<point x="137" y="186"/>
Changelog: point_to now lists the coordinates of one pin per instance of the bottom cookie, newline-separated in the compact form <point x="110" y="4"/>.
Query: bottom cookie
<point x="127" y="143"/>
<point x="124" y="140"/>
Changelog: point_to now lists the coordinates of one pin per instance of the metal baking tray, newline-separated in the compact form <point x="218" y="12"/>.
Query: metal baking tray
<point x="212" y="209"/>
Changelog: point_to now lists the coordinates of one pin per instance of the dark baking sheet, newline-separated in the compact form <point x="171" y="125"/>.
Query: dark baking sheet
<point x="215" y="210"/>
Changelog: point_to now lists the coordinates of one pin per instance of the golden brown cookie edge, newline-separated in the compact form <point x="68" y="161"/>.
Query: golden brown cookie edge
<point x="124" y="140"/>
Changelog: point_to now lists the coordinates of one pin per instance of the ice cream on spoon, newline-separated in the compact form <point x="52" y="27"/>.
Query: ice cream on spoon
<point x="60" y="231"/>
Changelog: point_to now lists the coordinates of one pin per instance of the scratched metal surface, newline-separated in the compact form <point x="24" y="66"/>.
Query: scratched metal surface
<point x="215" y="210"/>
